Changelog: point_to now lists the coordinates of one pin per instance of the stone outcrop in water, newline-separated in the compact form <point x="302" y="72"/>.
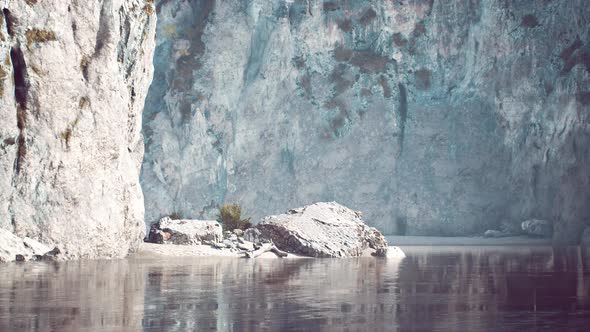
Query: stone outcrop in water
<point x="535" y="227"/>
<point x="432" y="117"/>
<point x="182" y="231"/>
<point x="322" y="230"/>
<point x="73" y="80"/>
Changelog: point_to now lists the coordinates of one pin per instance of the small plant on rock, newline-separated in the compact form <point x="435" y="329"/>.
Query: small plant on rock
<point x="175" y="216"/>
<point x="230" y="217"/>
<point x="39" y="36"/>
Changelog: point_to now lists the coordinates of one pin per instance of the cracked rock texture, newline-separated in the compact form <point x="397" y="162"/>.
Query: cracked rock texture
<point x="185" y="232"/>
<point x="324" y="229"/>
<point x="73" y="79"/>
<point x="432" y="117"/>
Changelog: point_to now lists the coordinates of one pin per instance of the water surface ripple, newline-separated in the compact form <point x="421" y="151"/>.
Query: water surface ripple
<point x="432" y="289"/>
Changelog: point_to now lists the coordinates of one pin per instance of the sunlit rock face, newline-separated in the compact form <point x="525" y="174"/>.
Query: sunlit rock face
<point x="431" y="117"/>
<point x="73" y="79"/>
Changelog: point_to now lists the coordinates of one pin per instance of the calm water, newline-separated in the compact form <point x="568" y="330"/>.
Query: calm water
<point x="438" y="288"/>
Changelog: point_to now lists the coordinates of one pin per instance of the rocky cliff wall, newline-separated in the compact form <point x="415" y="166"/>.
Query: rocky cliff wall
<point x="73" y="79"/>
<point x="432" y="117"/>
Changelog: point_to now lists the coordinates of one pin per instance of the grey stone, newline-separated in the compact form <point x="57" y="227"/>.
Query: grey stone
<point x="433" y="118"/>
<point x="10" y="246"/>
<point x="494" y="233"/>
<point x="185" y="231"/>
<point x="218" y="245"/>
<point x="322" y="230"/>
<point x="238" y="232"/>
<point x="228" y="243"/>
<point x="536" y="227"/>
<point x="252" y="235"/>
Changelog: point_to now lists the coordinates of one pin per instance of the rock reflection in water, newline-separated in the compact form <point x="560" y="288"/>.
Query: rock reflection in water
<point x="433" y="288"/>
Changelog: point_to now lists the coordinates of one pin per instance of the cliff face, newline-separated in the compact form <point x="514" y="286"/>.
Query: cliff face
<point x="432" y="117"/>
<point x="73" y="80"/>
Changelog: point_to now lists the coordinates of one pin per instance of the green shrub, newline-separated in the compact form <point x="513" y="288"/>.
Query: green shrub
<point x="230" y="217"/>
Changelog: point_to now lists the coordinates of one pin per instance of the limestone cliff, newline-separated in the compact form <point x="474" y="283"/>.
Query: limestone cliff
<point x="73" y="79"/>
<point x="431" y="117"/>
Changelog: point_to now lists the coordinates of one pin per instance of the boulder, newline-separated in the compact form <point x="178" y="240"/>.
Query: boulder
<point x="14" y="248"/>
<point x="252" y="235"/>
<point x="322" y="230"/>
<point x="10" y="246"/>
<point x="537" y="228"/>
<point x="185" y="231"/>
<point x="36" y="247"/>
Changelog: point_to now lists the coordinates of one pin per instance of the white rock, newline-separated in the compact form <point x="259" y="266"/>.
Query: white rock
<point x="36" y="247"/>
<point x="322" y="230"/>
<point x="69" y="166"/>
<point x="185" y="231"/>
<point x="396" y="253"/>
<point x="10" y="246"/>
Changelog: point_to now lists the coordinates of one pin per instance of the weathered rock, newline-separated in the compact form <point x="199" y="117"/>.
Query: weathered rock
<point x="36" y="247"/>
<point x="248" y="246"/>
<point x="185" y="231"/>
<point x="52" y="255"/>
<point x="322" y="230"/>
<point x="494" y="233"/>
<point x="73" y="79"/>
<point x="10" y="246"/>
<point x="218" y="245"/>
<point x="252" y="235"/>
<point x="14" y="248"/>
<point x="238" y="232"/>
<point x="536" y="227"/>
<point x="432" y="117"/>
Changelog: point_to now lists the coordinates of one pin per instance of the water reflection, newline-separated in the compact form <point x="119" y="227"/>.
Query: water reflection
<point x="432" y="289"/>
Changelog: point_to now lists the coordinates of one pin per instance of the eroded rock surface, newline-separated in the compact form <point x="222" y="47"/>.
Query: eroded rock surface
<point x="185" y="232"/>
<point x="432" y="117"/>
<point x="322" y="230"/>
<point x="73" y="79"/>
<point x="536" y="227"/>
<point x="14" y="248"/>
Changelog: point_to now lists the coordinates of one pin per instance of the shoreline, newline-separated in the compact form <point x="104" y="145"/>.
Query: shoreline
<point x="424" y="241"/>
<point x="150" y="250"/>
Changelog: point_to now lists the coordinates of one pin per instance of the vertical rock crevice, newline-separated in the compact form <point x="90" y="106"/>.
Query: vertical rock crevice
<point x="403" y="115"/>
<point x="21" y="90"/>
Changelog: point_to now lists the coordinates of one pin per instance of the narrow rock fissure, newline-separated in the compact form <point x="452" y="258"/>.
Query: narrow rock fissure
<point x="403" y="114"/>
<point x="10" y="22"/>
<point x="20" y="92"/>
